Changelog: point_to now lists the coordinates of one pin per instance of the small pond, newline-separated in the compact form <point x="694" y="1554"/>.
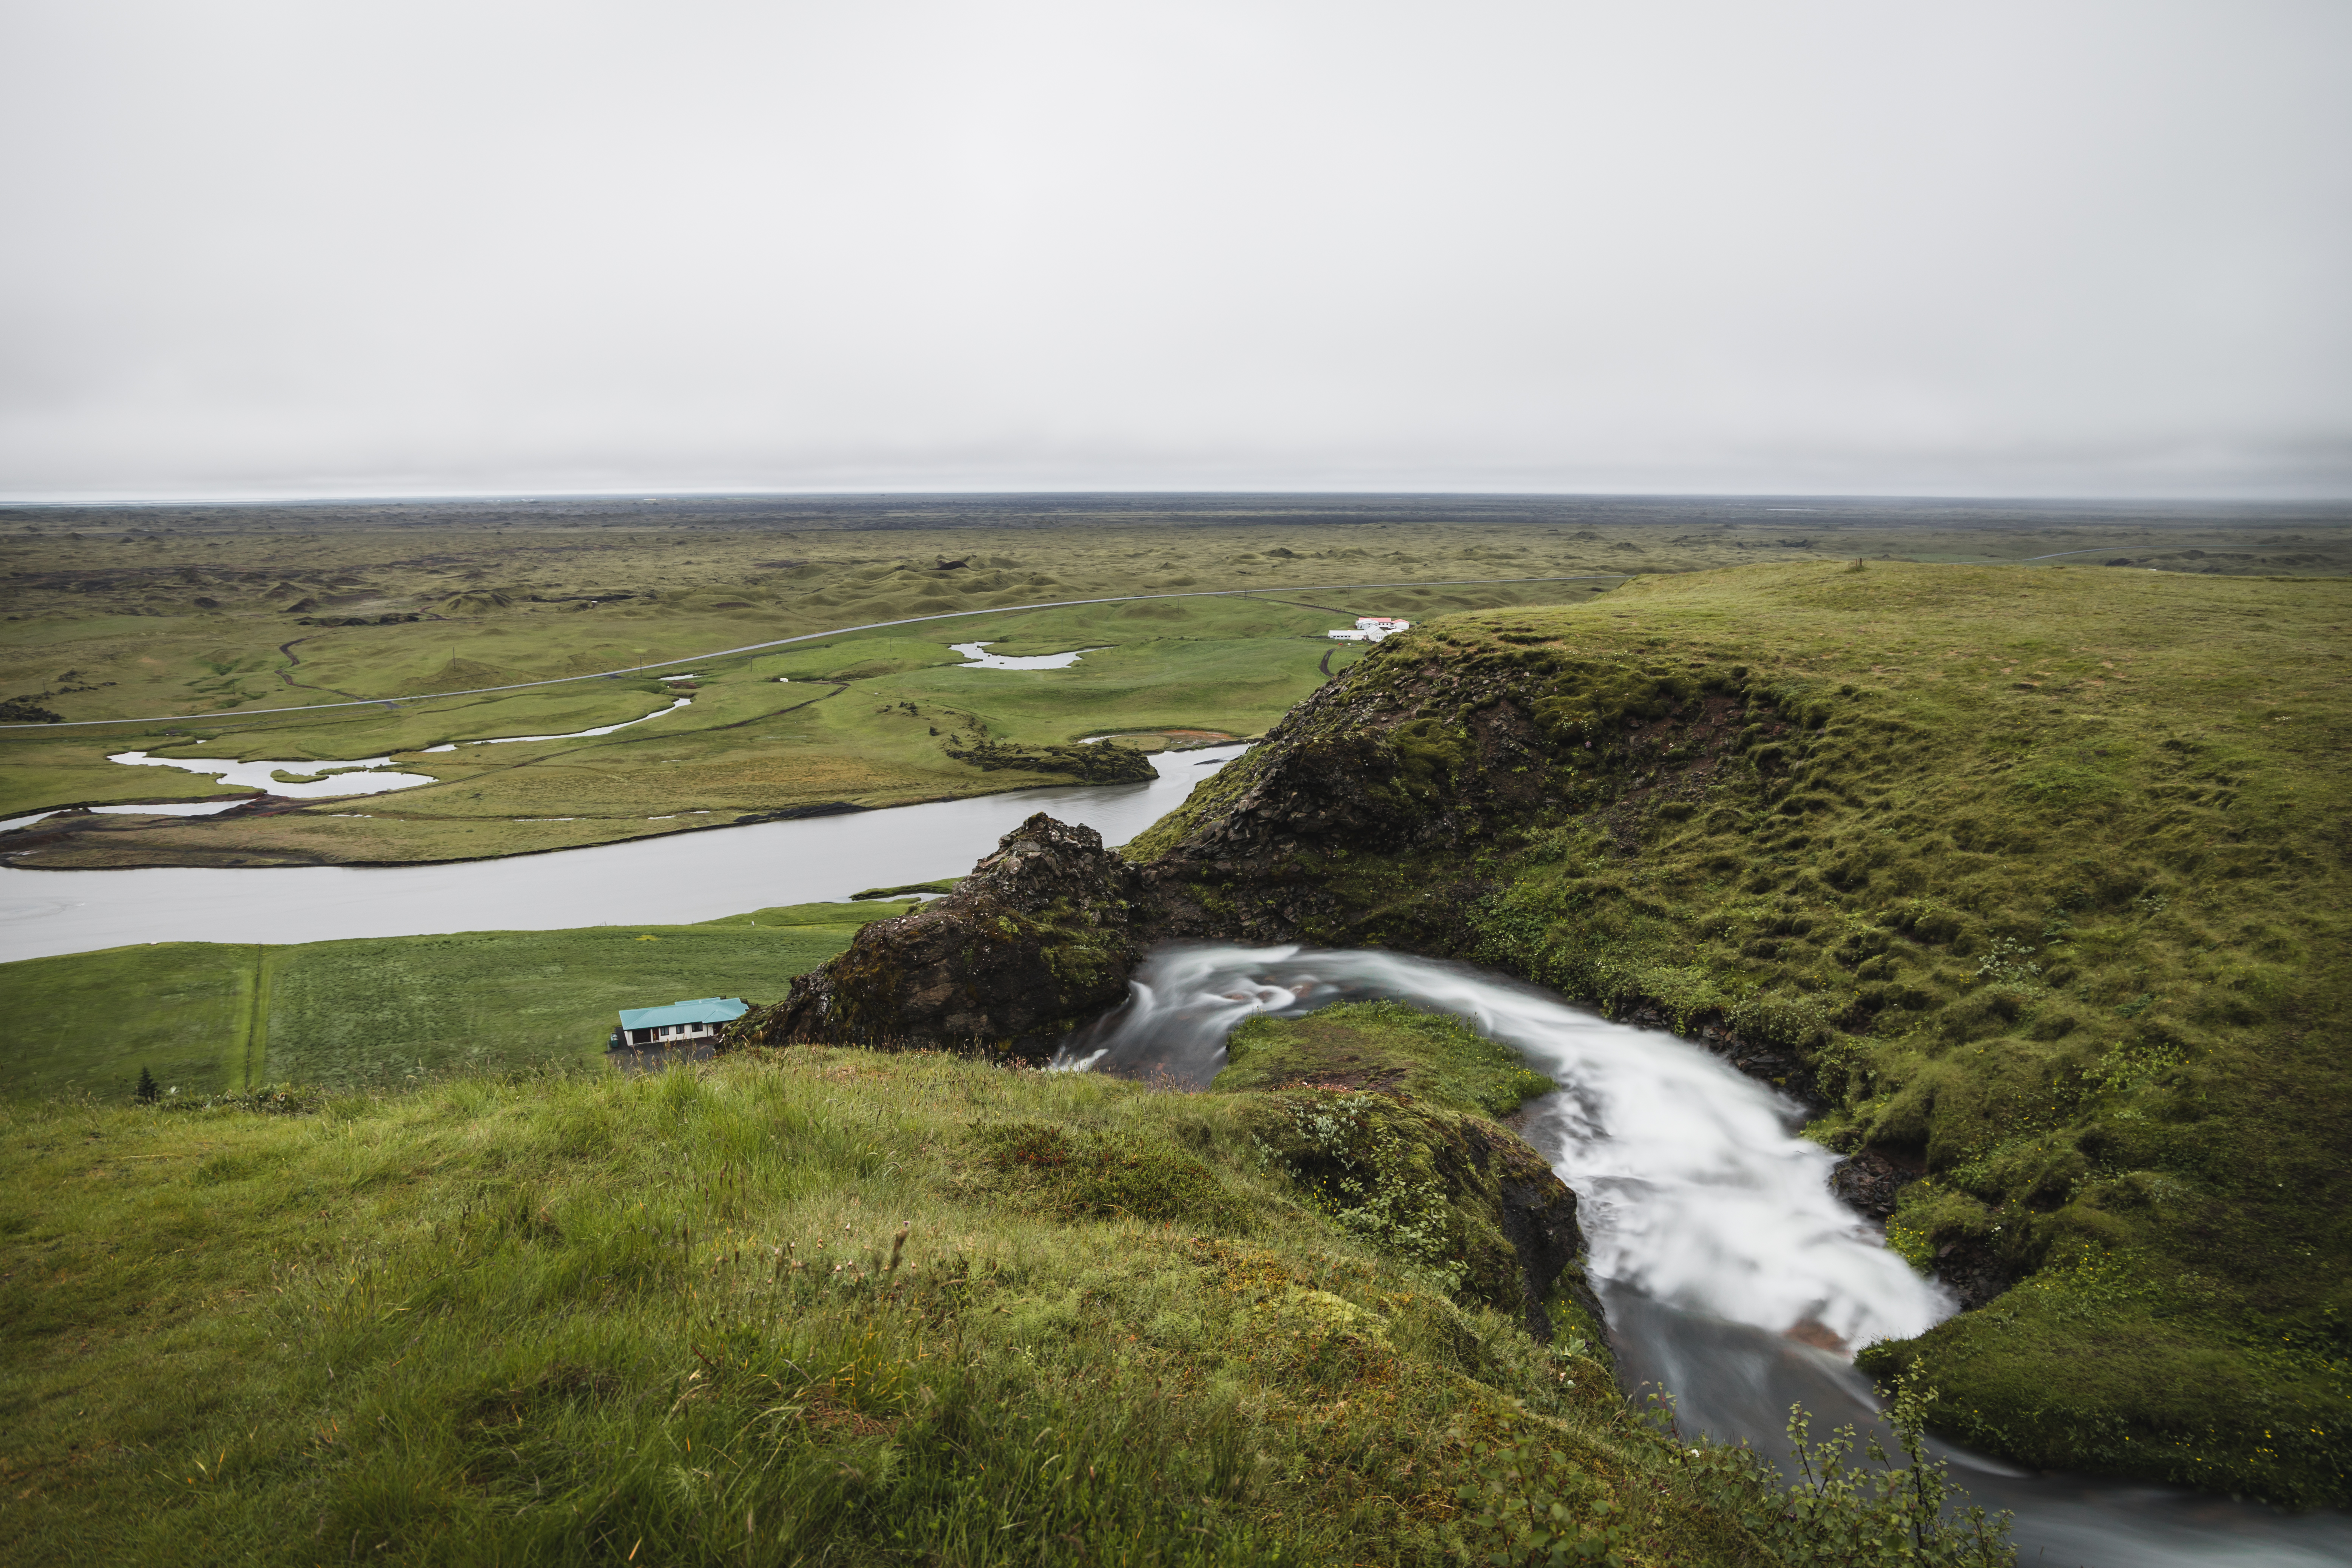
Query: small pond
<point x="981" y="659"/>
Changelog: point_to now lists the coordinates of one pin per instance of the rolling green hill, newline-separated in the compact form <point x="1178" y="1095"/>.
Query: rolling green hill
<point x="2038" y="882"/>
<point x="821" y="1306"/>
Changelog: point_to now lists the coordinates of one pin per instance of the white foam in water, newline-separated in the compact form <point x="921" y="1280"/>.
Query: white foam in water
<point x="1695" y="1190"/>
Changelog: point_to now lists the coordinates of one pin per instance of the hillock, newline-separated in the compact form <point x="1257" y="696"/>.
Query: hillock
<point x="2032" y="883"/>
<point x="824" y="1305"/>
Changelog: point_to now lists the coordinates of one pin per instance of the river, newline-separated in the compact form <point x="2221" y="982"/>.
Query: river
<point x="674" y="880"/>
<point x="1711" y="1231"/>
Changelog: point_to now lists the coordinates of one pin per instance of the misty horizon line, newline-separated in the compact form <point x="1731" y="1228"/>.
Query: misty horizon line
<point x="668" y="494"/>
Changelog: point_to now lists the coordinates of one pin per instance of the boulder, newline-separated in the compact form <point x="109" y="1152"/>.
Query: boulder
<point x="1870" y="1181"/>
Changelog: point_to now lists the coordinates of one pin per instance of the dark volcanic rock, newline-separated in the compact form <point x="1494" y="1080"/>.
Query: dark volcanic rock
<point x="1041" y="936"/>
<point x="1870" y="1181"/>
<point x="1975" y="1270"/>
<point x="1538" y="1220"/>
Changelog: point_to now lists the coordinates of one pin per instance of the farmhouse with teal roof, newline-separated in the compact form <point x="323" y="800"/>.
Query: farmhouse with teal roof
<point x="679" y="1024"/>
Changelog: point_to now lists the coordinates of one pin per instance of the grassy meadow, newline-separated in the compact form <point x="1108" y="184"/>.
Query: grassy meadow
<point x="866" y="719"/>
<point x="2040" y="875"/>
<point x="149" y="611"/>
<point x="830" y="1306"/>
<point x="216" y="1018"/>
<point x="2042" y="880"/>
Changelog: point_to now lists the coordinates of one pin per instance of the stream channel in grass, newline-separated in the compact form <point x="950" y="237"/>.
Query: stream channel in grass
<point x="1712" y="1236"/>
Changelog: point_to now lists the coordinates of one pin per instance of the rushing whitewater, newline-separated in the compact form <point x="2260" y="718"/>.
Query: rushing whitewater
<point x="1695" y="1190"/>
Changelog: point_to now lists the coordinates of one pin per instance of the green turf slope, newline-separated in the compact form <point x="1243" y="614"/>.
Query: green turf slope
<point x="2040" y="879"/>
<point x="209" y="1018"/>
<point x="825" y="1306"/>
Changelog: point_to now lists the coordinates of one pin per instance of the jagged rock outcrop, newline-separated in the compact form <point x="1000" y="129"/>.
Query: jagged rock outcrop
<point x="1870" y="1181"/>
<point x="1539" y="1219"/>
<point x="1041" y="936"/>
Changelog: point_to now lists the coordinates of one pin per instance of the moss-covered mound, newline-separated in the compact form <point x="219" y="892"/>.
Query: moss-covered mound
<point x="1385" y="1046"/>
<point x="2035" y="879"/>
<point x="1091" y="764"/>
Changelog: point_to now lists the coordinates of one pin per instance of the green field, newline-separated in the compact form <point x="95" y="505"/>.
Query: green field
<point x="825" y="1306"/>
<point x="210" y="1018"/>
<point x="866" y="719"/>
<point x="187" y="611"/>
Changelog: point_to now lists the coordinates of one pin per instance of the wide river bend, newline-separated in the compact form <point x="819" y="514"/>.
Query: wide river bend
<point x="676" y="880"/>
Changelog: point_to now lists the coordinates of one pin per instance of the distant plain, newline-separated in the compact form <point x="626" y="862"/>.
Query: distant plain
<point x="129" y="612"/>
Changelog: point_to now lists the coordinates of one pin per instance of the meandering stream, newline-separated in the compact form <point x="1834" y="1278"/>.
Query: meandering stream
<point x="673" y="880"/>
<point x="1713" y="1237"/>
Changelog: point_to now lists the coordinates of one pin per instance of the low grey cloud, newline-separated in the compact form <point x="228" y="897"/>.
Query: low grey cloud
<point x="289" y="248"/>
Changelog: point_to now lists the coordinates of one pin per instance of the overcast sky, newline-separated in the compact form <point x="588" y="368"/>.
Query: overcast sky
<point x="315" y="248"/>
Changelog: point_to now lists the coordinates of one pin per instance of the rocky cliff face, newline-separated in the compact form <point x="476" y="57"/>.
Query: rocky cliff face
<point x="1040" y="937"/>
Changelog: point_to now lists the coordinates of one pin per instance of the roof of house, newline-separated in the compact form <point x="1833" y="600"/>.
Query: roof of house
<point x="702" y="1010"/>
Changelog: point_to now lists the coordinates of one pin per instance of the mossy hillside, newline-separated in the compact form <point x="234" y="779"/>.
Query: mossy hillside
<point x="2039" y="877"/>
<point x="210" y="1018"/>
<point x="1385" y="1116"/>
<point x="754" y="1312"/>
<point x="1098" y="1173"/>
<point x="1386" y="1046"/>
